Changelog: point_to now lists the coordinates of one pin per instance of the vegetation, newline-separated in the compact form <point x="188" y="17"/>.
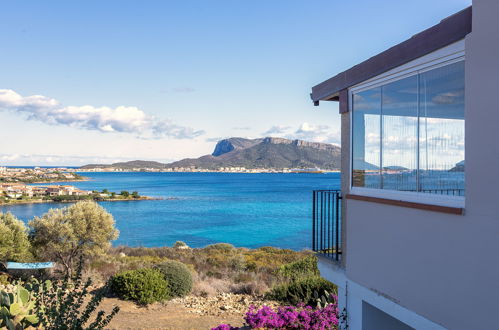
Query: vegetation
<point x="178" y="276"/>
<point x="17" y="309"/>
<point x="305" y="267"/>
<point x="304" y="290"/>
<point x="84" y="229"/>
<point x="14" y="242"/>
<point x="218" y="268"/>
<point x="289" y="317"/>
<point x="144" y="286"/>
<point x="53" y="307"/>
<point x="180" y="245"/>
<point x="84" y="232"/>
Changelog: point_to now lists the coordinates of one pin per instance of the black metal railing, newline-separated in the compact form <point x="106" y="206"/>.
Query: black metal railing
<point x="326" y="223"/>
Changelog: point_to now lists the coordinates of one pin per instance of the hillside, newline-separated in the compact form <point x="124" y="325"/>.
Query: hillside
<point x="254" y="153"/>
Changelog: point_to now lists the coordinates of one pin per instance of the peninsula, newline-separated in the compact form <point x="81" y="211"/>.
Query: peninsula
<point x="16" y="193"/>
<point x="38" y="175"/>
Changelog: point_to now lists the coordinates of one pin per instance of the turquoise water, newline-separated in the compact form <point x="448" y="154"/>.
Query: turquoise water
<point x="247" y="210"/>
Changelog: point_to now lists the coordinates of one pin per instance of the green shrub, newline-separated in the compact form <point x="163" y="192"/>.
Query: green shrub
<point x="220" y="246"/>
<point x="180" y="245"/>
<point x="144" y="286"/>
<point x="305" y="267"/>
<point x="301" y="290"/>
<point x="4" y="279"/>
<point x="178" y="276"/>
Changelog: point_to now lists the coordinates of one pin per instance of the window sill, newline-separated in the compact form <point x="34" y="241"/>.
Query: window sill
<point x="414" y="205"/>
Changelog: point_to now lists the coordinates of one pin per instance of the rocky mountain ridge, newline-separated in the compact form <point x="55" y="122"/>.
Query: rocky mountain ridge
<point x="269" y="152"/>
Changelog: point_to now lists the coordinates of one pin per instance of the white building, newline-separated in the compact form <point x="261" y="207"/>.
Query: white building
<point x="417" y="241"/>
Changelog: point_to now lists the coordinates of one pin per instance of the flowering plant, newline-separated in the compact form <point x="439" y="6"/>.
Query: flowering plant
<point x="290" y="317"/>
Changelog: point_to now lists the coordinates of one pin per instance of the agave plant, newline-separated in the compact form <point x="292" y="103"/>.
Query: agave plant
<point x="17" y="309"/>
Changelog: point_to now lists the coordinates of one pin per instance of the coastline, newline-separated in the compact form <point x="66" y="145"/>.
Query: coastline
<point x="225" y="172"/>
<point x="41" y="201"/>
<point x="57" y="181"/>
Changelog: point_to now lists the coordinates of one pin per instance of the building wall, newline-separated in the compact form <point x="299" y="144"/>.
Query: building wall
<point x="444" y="267"/>
<point x="345" y="179"/>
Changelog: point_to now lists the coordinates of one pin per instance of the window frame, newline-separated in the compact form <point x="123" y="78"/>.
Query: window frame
<point x="450" y="54"/>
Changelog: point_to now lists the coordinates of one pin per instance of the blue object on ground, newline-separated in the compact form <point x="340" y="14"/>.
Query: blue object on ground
<point x="29" y="265"/>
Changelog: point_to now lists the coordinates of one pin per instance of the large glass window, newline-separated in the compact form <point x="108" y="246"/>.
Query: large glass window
<point x="409" y="134"/>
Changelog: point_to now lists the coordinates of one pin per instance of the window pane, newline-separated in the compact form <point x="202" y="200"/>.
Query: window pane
<point x="366" y="138"/>
<point x="399" y="134"/>
<point x="442" y="130"/>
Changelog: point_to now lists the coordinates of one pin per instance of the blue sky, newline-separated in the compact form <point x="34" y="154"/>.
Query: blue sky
<point x="162" y="80"/>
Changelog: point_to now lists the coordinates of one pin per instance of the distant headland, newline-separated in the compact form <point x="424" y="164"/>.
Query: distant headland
<point x="236" y="154"/>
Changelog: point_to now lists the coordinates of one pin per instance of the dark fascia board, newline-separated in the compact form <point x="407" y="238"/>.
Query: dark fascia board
<point x="449" y="30"/>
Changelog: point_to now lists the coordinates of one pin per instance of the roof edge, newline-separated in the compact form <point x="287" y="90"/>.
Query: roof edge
<point x="449" y="30"/>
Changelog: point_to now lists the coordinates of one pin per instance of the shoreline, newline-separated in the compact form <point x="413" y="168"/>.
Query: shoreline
<point x="46" y="182"/>
<point x="262" y="172"/>
<point x="41" y="201"/>
<point x="41" y="182"/>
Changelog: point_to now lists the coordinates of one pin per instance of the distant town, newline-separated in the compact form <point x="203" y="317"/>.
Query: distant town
<point x="196" y="169"/>
<point x="15" y="187"/>
<point x="38" y="175"/>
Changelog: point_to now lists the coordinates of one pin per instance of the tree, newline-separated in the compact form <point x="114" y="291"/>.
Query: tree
<point x="14" y="242"/>
<point x="105" y="191"/>
<point x="125" y="193"/>
<point x="84" y="229"/>
<point x="135" y="194"/>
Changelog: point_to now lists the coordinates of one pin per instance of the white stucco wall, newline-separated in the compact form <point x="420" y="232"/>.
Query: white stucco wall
<point x="444" y="267"/>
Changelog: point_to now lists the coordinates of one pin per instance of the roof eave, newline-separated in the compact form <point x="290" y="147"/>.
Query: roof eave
<point x="448" y="31"/>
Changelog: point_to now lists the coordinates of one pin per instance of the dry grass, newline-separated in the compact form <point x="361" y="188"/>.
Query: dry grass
<point x="218" y="268"/>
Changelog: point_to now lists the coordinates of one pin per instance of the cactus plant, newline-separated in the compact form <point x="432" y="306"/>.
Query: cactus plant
<point x="17" y="309"/>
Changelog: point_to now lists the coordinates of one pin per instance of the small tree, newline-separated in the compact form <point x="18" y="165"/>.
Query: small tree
<point x="125" y="193"/>
<point x="105" y="191"/>
<point x="64" y="235"/>
<point x="135" y="194"/>
<point x="14" y="243"/>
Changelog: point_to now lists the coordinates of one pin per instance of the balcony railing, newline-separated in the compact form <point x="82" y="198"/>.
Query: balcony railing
<point x="326" y="223"/>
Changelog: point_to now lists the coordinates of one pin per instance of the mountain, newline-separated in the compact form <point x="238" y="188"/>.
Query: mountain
<point x="128" y="165"/>
<point x="268" y="152"/>
<point x="227" y="145"/>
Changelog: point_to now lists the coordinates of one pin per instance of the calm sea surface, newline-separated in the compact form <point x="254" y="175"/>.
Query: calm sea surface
<point x="249" y="210"/>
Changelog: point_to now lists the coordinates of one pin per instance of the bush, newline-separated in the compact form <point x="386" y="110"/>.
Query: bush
<point x="305" y="267"/>
<point x="143" y="286"/>
<point x="178" y="276"/>
<point x="84" y="229"/>
<point x="14" y="243"/>
<point x="302" y="291"/>
<point x="69" y="305"/>
<point x="180" y="245"/>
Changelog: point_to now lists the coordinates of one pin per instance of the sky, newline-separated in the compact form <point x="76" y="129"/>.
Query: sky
<point x="104" y="81"/>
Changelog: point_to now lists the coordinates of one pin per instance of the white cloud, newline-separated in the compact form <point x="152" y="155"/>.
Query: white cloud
<point x="317" y="133"/>
<point x="63" y="160"/>
<point x="307" y="132"/>
<point x="123" y="119"/>
<point x="276" y="130"/>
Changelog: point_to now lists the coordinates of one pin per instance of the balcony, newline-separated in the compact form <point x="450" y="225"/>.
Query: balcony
<point x="326" y="224"/>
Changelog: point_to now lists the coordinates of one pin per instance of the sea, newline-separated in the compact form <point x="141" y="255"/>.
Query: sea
<point x="244" y="209"/>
